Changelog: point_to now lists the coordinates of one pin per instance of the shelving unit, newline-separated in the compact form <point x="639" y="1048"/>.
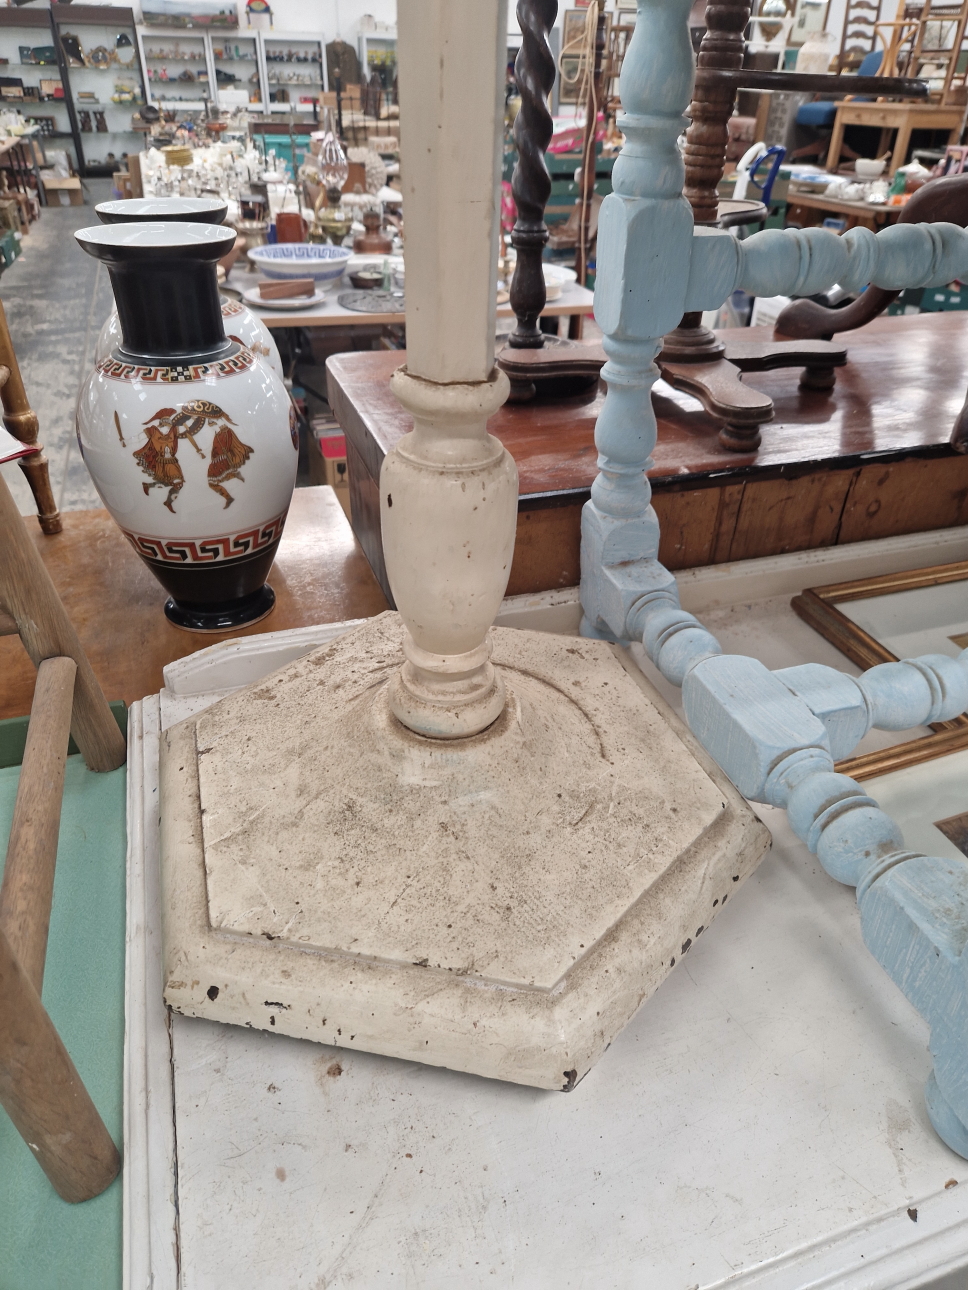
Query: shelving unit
<point x="237" y="57"/>
<point x="101" y="71"/>
<point x="378" y="53"/>
<point x="29" y="30"/>
<point x="179" y="69"/>
<point x="294" y="66"/>
<point x="263" y="65"/>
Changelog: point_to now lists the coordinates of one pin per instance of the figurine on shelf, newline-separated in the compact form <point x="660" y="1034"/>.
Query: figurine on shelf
<point x="84" y="122"/>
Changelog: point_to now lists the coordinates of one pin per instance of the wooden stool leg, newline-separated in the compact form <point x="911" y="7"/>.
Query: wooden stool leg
<point x="43" y="1094"/>
<point x="836" y="143"/>
<point x="901" y="144"/>
<point x="27" y="593"/>
<point x="28" y="876"/>
<point x="21" y="420"/>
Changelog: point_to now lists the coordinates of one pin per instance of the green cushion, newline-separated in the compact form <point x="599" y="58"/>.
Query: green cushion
<point x="46" y="1244"/>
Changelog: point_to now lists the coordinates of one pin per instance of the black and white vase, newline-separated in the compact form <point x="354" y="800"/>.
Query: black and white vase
<point x="240" y="322"/>
<point x="190" y="437"/>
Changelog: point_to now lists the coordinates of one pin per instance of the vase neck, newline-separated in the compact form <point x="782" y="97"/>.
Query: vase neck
<point x="169" y="310"/>
<point x="164" y="280"/>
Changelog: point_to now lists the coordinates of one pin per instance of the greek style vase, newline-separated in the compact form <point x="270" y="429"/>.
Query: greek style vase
<point x="189" y="436"/>
<point x="241" y="323"/>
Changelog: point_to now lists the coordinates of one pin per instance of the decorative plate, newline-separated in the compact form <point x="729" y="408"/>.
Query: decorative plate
<point x="373" y="302"/>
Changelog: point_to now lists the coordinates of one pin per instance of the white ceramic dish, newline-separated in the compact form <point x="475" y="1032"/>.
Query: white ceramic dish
<point x="252" y="297"/>
<point x="866" y="169"/>
<point x="322" y="262"/>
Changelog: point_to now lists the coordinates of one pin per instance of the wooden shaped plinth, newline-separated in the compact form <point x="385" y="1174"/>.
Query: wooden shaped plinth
<point x="559" y="368"/>
<point x="499" y="905"/>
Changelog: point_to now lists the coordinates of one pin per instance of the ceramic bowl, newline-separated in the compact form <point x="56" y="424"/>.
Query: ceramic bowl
<point x="323" y="263"/>
<point x="867" y="170"/>
<point x="193" y="210"/>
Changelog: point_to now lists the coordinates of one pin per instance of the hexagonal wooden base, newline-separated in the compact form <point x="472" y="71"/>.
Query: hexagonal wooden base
<point x="500" y="904"/>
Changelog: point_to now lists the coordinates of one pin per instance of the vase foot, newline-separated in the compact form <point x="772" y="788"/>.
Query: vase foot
<point x="222" y="618"/>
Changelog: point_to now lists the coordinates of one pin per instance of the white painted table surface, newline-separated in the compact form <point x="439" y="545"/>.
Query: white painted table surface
<point x="760" y="1123"/>
<point x="328" y="313"/>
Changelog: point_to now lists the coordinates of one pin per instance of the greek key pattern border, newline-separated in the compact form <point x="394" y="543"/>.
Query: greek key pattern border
<point x="209" y="550"/>
<point x="115" y="370"/>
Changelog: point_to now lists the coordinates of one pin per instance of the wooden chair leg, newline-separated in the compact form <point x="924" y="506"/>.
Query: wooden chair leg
<point x="43" y="1094"/>
<point x="27" y="593"/>
<point x="27" y="890"/>
<point x="21" y="420"/>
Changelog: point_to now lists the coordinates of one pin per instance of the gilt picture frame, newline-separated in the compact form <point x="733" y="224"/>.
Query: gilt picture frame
<point x="882" y="619"/>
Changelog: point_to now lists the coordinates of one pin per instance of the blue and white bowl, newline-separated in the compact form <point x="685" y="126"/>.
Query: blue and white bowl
<point x="319" y="261"/>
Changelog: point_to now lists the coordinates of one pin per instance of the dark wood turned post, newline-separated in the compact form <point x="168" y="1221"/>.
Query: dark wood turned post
<point x="722" y="49"/>
<point x="712" y="105"/>
<point x="534" y="70"/>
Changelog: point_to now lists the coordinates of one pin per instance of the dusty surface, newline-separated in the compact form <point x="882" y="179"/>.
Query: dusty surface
<point x="328" y="824"/>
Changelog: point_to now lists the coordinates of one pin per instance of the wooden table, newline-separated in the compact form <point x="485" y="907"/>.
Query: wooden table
<point x="870" y="459"/>
<point x="320" y="575"/>
<point x="902" y="117"/>
<point x="866" y="214"/>
<point x="574" y="300"/>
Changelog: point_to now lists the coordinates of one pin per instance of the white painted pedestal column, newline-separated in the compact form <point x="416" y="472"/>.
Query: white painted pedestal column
<point x="478" y="848"/>
<point x="449" y="491"/>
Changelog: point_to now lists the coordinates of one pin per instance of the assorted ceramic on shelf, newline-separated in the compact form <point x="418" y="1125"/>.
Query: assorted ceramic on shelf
<point x="241" y="323"/>
<point x="319" y="261"/>
<point x="190" y="437"/>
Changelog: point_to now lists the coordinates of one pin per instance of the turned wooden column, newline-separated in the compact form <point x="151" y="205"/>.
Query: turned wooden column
<point x="449" y="490"/>
<point x="712" y="105"/>
<point x="534" y="70"/>
<point x="705" y="152"/>
<point x="21" y="420"/>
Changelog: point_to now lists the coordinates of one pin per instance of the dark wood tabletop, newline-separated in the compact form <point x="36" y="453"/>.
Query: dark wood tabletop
<point x="902" y="387"/>
<point x="320" y="575"/>
<point x="869" y="458"/>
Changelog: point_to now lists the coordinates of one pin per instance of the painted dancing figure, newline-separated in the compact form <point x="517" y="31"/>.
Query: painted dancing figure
<point x="159" y="456"/>
<point x="229" y="454"/>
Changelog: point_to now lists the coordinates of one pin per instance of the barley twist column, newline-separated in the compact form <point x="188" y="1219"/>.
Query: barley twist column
<point x="534" y="69"/>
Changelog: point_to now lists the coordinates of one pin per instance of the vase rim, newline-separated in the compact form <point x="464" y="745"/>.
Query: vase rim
<point x="199" y="210"/>
<point x="133" y="242"/>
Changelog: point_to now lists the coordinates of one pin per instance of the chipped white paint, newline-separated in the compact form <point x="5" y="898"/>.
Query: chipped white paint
<point x="370" y="893"/>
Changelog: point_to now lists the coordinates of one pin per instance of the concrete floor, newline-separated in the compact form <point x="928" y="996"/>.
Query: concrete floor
<point x="56" y="299"/>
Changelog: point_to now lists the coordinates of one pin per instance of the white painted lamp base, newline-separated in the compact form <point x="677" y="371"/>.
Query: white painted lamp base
<point x="500" y="904"/>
